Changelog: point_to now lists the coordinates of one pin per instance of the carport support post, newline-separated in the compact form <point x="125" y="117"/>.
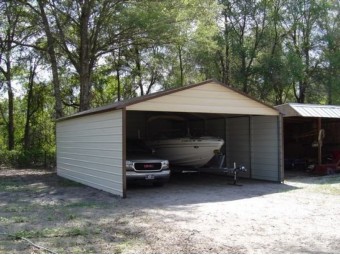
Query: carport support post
<point x="319" y="143"/>
<point x="124" y="152"/>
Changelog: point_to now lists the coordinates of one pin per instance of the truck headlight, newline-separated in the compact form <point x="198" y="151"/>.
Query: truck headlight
<point x="129" y="165"/>
<point x="165" y="164"/>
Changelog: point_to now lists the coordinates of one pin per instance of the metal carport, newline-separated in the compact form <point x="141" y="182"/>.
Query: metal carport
<point x="311" y="131"/>
<point x="91" y="144"/>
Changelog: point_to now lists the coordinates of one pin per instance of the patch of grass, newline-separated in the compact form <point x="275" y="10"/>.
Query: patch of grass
<point x="87" y="204"/>
<point x="83" y="250"/>
<point x="13" y="209"/>
<point x="327" y="184"/>
<point x="335" y="179"/>
<point x="52" y="232"/>
<point x="56" y="213"/>
<point x="76" y="232"/>
<point x="71" y="217"/>
<point x="68" y="183"/>
<point x="27" y="234"/>
<point x="3" y="246"/>
<point x="124" y="245"/>
<point x="333" y="189"/>
<point x="18" y="186"/>
<point x="328" y="179"/>
<point x="3" y="219"/>
<point x="12" y="186"/>
<point x="19" y="219"/>
<point x="90" y="204"/>
<point x="19" y="208"/>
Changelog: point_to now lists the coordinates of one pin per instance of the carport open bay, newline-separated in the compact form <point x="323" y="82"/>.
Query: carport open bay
<point x="193" y="213"/>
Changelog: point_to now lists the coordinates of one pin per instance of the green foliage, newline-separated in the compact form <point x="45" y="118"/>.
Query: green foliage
<point x="278" y="51"/>
<point x="31" y="158"/>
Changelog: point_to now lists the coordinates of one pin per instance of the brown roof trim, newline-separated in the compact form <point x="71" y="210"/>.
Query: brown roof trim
<point x="136" y="100"/>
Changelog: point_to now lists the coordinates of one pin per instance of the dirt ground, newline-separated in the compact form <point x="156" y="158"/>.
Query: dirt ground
<point x="193" y="213"/>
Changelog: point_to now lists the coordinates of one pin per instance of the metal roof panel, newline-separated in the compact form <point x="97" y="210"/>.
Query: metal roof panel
<point x="309" y="110"/>
<point x="141" y="99"/>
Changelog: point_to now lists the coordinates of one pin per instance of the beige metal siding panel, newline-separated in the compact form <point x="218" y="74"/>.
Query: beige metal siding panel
<point x="227" y="108"/>
<point x="266" y="173"/>
<point x="239" y="143"/>
<point x="265" y="148"/>
<point x="96" y="131"/>
<point x="96" y="147"/>
<point x="91" y="163"/>
<point x="266" y="160"/>
<point x="104" y="174"/>
<point x="286" y="110"/>
<point x="89" y="150"/>
<point x="207" y="98"/>
<point x="99" y="138"/>
<point x="89" y="154"/>
<point x="91" y="180"/>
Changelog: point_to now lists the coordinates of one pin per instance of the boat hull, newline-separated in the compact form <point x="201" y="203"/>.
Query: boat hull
<point x="188" y="152"/>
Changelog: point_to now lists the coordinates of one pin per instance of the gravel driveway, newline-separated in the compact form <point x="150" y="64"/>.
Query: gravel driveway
<point x="194" y="213"/>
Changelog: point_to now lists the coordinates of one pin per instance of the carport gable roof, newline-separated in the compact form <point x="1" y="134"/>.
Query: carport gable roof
<point x="309" y="110"/>
<point x="247" y="104"/>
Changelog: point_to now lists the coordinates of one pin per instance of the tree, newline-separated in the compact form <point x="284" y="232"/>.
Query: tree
<point x="51" y="49"/>
<point x="331" y="52"/>
<point x="272" y="66"/>
<point x="11" y="31"/>
<point x="34" y="99"/>
<point x="246" y="24"/>
<point x="302" y="26"/>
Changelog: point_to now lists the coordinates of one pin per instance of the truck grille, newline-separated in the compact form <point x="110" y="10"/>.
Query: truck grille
<point x="148" y="166"/>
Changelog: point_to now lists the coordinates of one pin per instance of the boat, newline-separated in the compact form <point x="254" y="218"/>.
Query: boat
<point x="187" y="151"/>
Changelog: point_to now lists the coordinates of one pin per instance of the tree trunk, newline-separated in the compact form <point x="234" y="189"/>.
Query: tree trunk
<point x="51" y="52"/>
<point x="84" y="58"/>
<point x="181" y="66"/>
<point x="139" y="71"/>
<point x="118" y="84"/>
<point x="10" y="116"/>
<point x="244" y="74"/>
<point x="28" y="112"/>
<point x="226" y="70"/>
<point x="118" y="76"/>
<point x="85" y="87"/>
<point x="10" y="126"/>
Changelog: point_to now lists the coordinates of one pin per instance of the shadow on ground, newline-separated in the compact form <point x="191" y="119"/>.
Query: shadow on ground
<point x="182" y="189"/>
<point x="193" y="188"/>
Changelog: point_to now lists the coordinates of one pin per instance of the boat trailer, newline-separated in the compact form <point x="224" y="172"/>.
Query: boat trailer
<point x="235" y="170"/>
<point x="216" y="167"/>
<point x="217" y="163"/>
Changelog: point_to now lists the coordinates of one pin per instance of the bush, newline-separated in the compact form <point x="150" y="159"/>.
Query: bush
<point x="28" y="158"/>
<point x="8" y="158"/>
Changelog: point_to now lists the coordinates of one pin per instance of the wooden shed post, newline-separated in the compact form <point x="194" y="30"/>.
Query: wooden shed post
<point x="319" y="143"/>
